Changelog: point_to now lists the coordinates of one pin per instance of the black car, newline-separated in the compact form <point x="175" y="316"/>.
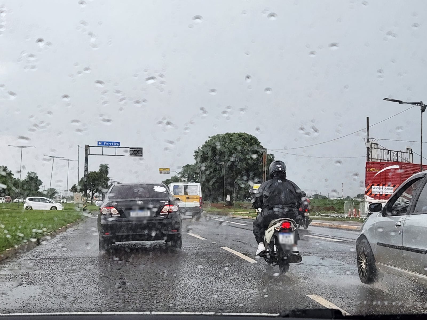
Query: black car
<point x="139" y="212"/>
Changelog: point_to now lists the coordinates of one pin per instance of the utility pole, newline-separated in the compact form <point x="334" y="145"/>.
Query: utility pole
<point x="342" y="190"/>
<point x="51" y="171"/>
<point x="368" y="148"/>
<point x="264" y="165"/>
<point x="20" y="166"/>
<point x="78" y="164"/>
<point x="422" y="109"/>
<point x="86" y="169"/>
<point x="68" y="170"/>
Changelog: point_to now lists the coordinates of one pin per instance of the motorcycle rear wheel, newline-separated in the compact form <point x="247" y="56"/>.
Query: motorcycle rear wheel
<point x="283" y="267"/>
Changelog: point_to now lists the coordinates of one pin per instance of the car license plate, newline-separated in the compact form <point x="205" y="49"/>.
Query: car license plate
<point x="286" y="238"/>
<point x="141" y="213"/>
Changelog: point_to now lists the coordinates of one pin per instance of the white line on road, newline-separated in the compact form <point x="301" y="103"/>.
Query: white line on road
<point x="195" y="236"/>
<point x="240" y="224"/>
<point x="330" y="239"/>
<point x="240" y="255"/>
<point x="326" y="303"/>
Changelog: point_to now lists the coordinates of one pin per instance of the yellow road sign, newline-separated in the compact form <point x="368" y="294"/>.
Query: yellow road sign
<point x="164" y="170"/>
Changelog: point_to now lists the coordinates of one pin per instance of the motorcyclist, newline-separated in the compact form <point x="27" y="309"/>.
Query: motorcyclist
<point x="278" y="198"/>
<point x="305" y="205"/>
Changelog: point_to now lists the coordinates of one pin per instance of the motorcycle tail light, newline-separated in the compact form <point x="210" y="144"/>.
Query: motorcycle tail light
<point x="285" y="225"/>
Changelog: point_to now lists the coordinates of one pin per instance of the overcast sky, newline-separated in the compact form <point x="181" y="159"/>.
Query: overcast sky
<point x="166" y="75"/>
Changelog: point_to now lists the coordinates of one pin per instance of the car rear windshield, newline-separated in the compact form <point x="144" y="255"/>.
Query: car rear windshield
<point x="186" y="189"/>
<point x="140" y="191"/>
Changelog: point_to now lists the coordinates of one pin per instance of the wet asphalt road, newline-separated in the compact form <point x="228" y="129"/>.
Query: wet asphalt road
<point x="67" y="273"/>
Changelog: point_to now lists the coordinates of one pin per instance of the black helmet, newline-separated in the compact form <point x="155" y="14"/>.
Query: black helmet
<point x="277" y="167"/>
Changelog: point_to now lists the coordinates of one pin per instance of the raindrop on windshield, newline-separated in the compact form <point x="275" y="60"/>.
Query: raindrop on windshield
<point x="66" y="97"/>
<point x="150" y="80"/>
<point x="12" y="95"/>
<point x="272" y="16"/>
<point x="248" y="78"/>
<point x="40" y="42"/>
<point x="268" y="90"/>
<point x="333" y="46"/>
<point x="415" y="25"/>
<point x="99" y="83"/>
<point x="82" y="3"/>
<point x="197" y="19"/>
<point x="312" y="54"/>
<point x="338" y="162"/>
<point x="86" y="70"/>
<point x="212" y="91"/>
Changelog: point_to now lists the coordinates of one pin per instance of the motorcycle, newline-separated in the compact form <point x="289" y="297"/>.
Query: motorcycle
<point x="303" y="218"/>
<point x="279" y="240"/>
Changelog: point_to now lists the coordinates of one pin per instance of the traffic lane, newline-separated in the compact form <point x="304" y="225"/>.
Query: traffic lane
<point x="329" y="269"/>
<point x="68" y="274"/>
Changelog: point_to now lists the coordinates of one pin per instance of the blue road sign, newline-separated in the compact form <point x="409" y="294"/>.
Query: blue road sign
<point x="108" y="144"/>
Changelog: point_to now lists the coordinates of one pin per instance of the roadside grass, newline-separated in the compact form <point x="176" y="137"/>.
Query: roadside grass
<point x="20" y="226"/>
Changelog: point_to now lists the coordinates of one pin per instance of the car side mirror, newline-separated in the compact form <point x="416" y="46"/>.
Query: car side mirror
<point x="375" y="207"/>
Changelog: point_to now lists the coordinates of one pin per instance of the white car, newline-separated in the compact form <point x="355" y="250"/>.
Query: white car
<point x="41" y="203"/>
<point x="18" y="200"/>
<point x="2" y="200"/>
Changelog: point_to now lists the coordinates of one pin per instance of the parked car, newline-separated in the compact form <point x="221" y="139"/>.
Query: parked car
<point x="139" y="212"/>
<point x="18" y="200"/>
<point x="2" y="200"/>
<point x="41" y="203"/>
<point x="7" y="199"/>
<point x="396" y="235"/>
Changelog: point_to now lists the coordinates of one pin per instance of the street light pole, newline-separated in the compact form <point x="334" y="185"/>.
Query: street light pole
<point x="51" y="171"/>
<point x="20" y="166"/>
<point x="68" y="169"/>
<point x="422" y="109"/>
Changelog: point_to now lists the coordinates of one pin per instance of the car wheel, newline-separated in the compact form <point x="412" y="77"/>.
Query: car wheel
<point x="176" y="242"/>
<point x="53" y="208"/>
<point x="104" y="245"/>
<point x="28" y="208"/>
<point x="365" y="262"/>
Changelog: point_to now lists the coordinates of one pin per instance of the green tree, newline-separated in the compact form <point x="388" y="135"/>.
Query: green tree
<point x="97" y="182"/>
<point x="51" y="193"/>
<point x="229" y="163"/>
<point x="8" y="184"/>
<point x="31" y="185"/>
<point x="172" y="179"/>
<point x="75" y="188"/>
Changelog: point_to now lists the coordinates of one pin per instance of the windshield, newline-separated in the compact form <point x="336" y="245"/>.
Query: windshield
<point x="186" y="189"/>
<point x="199" y="98"/>
<point x="138" y="192"/>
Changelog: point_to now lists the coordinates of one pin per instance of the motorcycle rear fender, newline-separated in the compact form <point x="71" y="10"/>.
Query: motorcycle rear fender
<point x="276" y="224"/>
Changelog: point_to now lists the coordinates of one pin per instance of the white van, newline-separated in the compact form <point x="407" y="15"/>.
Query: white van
<point x="189" y="197"/>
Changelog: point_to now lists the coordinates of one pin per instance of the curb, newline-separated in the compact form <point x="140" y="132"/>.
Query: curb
<point x="25" y="247"/>
<point x="335" y="226"/>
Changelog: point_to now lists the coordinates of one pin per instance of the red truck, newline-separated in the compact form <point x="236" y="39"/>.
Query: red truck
<point x="383" y="177"/>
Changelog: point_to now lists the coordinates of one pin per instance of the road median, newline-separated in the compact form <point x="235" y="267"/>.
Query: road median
<point x="22" y="230"/>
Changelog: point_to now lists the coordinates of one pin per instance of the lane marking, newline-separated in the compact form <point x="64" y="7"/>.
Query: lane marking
<point x="240" y="255"/>
<point x="195" y="236"/>
<point x="326" y="303"/>
<point x="411" y="273"/>
<point x="240" y="224"/>
<point x="323" y="238"/>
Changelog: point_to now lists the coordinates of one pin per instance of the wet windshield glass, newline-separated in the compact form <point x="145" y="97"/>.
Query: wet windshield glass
<point x="224" y="114"/>
<point x="138" y="192"/>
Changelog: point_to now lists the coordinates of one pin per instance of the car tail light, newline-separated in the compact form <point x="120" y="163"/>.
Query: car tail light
<point x="285" y="225"/>
<point x="109" y="210"/>
<point x="169" y="208"/>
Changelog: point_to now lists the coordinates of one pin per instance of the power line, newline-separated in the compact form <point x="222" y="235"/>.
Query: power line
<point x="346" y="135"/>
<point x="397" y="140"/>
<point x="308" y="156"/>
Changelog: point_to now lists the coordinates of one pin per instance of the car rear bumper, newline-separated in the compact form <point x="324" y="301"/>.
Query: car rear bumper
<point x="149" y="230"/>
<point x="190" y="211"/>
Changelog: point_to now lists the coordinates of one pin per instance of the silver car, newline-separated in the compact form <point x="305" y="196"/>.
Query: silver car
<point x="396" y="235"/>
